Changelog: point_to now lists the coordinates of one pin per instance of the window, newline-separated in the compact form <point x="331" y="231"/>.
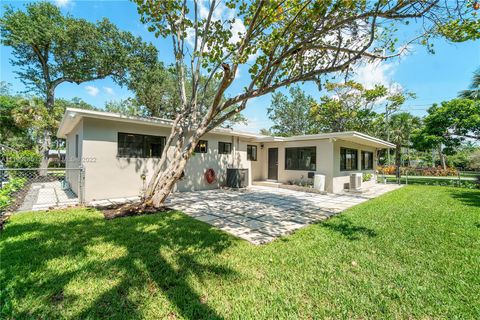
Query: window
<point x="154" y="146"/>
<point x="224" y="147"/>
<point x="348" y="159"/>
<point x="367" y="160"/>
<point x="251" y="152"/>
<point x="300" y="158"/>
<point x="76" y="146"/>
<point x="201" y="147"/>
<point x="140" y="145"/>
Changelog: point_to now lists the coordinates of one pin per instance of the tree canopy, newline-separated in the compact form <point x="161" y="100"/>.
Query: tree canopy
<point x="449" y="124"/>
<point x="350" y="106"/>
<point x="50" y="48"/>
<point x="291" y="116"/>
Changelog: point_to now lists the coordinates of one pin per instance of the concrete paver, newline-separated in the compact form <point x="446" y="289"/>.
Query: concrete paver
<point x="260" y="214"/>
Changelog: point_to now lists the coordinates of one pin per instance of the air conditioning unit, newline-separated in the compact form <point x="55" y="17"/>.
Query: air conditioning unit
<point x="356" y="181"/>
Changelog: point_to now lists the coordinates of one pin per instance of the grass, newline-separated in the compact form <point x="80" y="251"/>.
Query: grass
<point x="413" y="253"/>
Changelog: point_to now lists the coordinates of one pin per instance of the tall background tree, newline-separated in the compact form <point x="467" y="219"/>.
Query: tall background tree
<point x="291" y="115"/>
<point x="350" y="106"/>
<point x="283" y="42"/>
<point x="50" y="49"/>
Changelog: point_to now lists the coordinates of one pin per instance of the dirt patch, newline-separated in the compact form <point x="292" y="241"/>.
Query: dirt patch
<point x="3" y="219"/>
<point x="131" y="209"/>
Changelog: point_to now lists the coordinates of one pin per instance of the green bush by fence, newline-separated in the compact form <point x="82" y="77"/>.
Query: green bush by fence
<point x="8" y="190"/>
<point x="432" y="172"/>
<point x="22" y="159"/>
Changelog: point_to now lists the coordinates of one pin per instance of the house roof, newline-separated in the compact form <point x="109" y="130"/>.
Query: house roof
<point x="73" y="116"/>
<point x="352" y="136"/>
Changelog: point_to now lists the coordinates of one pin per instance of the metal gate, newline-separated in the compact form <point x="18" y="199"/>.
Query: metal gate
<point x="32" y="189"/>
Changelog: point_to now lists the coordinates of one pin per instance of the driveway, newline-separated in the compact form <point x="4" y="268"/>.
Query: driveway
<point x="261" y="214"/>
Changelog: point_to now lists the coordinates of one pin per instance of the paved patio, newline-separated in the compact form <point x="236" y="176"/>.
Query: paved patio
<point x="261" y="214"/>
<point x="46" y="195"/>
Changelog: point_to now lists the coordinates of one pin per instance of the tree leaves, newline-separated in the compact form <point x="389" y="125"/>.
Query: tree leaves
<point x="51" y="48"/>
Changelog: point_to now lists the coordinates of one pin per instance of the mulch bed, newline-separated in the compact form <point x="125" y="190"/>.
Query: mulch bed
<point x="129" y="210"/>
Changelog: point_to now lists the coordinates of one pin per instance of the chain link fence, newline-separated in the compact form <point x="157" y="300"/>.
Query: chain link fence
<point x="32" y="189"/>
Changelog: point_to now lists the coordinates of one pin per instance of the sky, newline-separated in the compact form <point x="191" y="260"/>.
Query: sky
<point x="432" y="77"/>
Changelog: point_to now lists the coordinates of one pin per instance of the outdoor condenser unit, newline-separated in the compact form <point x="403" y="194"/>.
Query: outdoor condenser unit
<point x="356" y="181"/>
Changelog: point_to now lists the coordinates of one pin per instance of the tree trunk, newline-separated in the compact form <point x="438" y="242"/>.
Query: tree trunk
<point x="167" y="181"/>
<point x="44" y="150"/>
<point x="46" y="136"/>
<point x="398" y="154"/>
<point x="442" y="157"/>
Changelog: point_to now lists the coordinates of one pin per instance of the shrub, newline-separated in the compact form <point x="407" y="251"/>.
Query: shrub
<point x="474" y="160"/>
<point x="14" y="185"/>
<point x="22" y="159"/>
<point x="428" y="171"/>
<point x="367" y="177"/>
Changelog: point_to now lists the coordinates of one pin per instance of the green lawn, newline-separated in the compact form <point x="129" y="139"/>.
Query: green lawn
<point x="413" y="253"/>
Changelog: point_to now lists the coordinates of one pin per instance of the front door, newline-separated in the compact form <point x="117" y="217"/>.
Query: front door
<point x="273" y="163"/>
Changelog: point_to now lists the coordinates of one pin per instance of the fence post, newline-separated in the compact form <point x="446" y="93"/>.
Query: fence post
<point x="459" y="178"/>
<point x="406" y="177"/>
<point x="81" y="175"/>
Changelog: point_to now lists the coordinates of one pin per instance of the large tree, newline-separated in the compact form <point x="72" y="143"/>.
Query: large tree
<point x="350" y="106"/>
<point x="291" y="115"/>
<point x="447" y="125"/>
<point x="156" y="93"/>
<point x="50" y="49"/>
<point x="283" y="43"/>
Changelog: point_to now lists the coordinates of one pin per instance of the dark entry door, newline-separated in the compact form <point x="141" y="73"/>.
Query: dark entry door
<point x="273" y="163"/>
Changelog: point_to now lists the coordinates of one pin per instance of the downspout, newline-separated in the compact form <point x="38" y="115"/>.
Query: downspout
<point x="234" y="152"/>
<point x="238" y="155"/>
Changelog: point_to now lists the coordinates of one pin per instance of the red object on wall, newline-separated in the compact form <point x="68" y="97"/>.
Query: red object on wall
<point x="210" y="176"/>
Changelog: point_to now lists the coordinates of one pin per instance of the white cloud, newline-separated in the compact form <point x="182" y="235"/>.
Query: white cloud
<point x="62" y="3"/>
<point x="370" y="74"/>
<point x="220" y="13"/>
<point x="109" y="91"/>
<point x="91" y="90"/>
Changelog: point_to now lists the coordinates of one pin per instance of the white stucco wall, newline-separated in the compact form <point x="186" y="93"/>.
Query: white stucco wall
<point x="342" y="177"/>
<point x="327" y="162"/>
<point x="73" y="161"/>
<point x="324" y="159"/>
<point x="110" y="176"/>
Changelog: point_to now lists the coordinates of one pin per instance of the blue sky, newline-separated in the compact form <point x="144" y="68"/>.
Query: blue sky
<point x="433" y="78"/>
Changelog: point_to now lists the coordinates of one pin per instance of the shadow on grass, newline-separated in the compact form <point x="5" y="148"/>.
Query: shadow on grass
<point x="346" y="228"/>
<point x="470" y="198"/>
<point x="160" y="253"/>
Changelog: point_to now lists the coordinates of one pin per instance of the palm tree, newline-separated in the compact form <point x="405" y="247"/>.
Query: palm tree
<point x="401" y="126"/>
<point x="473" y="91"/>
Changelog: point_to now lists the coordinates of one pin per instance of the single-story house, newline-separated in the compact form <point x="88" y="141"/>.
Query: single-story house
<point x="119" y="154"/>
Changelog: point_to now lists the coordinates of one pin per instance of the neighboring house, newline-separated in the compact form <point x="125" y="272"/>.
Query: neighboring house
<point x="55" y="155"/>
<point x="119" y="154"/>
